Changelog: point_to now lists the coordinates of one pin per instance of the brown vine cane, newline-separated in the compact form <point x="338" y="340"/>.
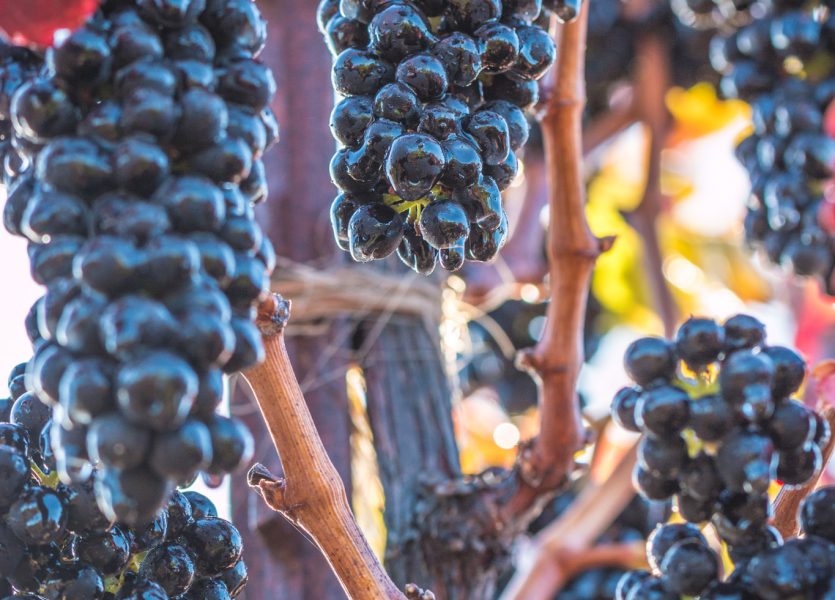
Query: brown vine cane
<point x="311" y="494"/>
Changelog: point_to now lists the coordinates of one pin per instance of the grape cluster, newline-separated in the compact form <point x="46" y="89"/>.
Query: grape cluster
<point x="683" y="564"/>
<point x="431" y="116"/>
<point x="782" y="64"/>
<point x="717" y="440"/>
<point x="57" y="544"/>
<point x="137" y="151"/>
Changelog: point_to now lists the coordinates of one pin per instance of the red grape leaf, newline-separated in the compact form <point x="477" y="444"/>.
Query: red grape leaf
<point x="34" y="22"/>
<point x="823" y="378"/>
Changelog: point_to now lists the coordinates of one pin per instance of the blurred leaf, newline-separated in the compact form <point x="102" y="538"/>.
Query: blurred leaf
<point x="698" y="111"/>
<point x="368" y="500"/>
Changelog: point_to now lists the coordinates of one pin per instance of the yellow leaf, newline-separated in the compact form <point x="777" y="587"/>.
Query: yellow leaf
<point x="699" y="111"/>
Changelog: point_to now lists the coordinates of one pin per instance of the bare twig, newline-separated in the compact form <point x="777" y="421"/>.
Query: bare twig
<point x="563" y="548"/>
<point x="521" y="261"/>
<point x="652" y="80"/>
<point x="620" y="115"/>
<point x="572" y="252"/>
<point x="788" y="501"/>
<point x="567" y="563"/>
<point x="311" y="494"/>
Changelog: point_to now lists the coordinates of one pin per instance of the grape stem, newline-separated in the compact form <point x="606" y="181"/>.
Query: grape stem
<point x="544" y="464"/>
<point x="310" y="494"/>
<point x="788" y="501"/>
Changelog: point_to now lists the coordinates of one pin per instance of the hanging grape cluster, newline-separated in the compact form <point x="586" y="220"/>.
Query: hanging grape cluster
<point x="57" y="543"/>
<point x="431" y="116"/>
<point x="684" y="565"/>
<point x="132" y="164"/>
<point x="782" y="64"/>
<point x="719" y="424"/>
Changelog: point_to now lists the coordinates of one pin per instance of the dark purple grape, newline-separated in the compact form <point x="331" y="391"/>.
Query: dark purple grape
<point x="417" y="253"/>
<point x="248" y="347"/>
<point x="115" y="441"/>
<point x="463" y="163"/>
<point x="106" y="264"/>
<point x="132" y="496"/>
<point x="471" y="14"/>
<point x="51" y="213"/>
<point x="398" y="31"/>
<point x="699" y="342"/>
<point x="74" y="581"/>
<point x="135" y="323"/>
<point x="156" y="390"/>
<point x="149" y="111"/>
<point x="12" y="551"/>
<point x="141" y="589"/>
<point x="107" y="551"/>
<point x="397" y="102"/>
<point x="31" y="414"/>
<point x="247" y="82"/>
<point x="230" y="160"/>
<point x="522" y="93"/>
<point x="74" y="165"/>
<point x="246" y="124"/>
<point x="441" y="119"/>
<point x="350" y="118"/>
<point x="413" y="165"/>
<point x="341" y="34"/>
<point x="215" y="544"/>
<point x="82" y="57"/>
<point x="662" y="411"/>
<point x="689" y="567"/>
<point x="171" y="13"/>
<point x="797" y="466"/>
<point x="145" y="75"/>
<point x="235" y="578"/>
<point x="232" y="444"/>
<point x="444" y="224"/>
<point x="38" y="516"/>
<point x="201" y="506"/>
<point x="425" y="74"/>
<point x="179" y="455"/>
<point x="208" y="589"/>
<point x="192" y="42"/>
<point x="648" y="360"/>
<point x="743" y="369"/>
<point x="41" y="110"/>
<point x="180" y="514"/>
<point x="816" y="514"/>
<point x="461" y="57"/>
<point x="236" y="22"/>
<point x="203" y="121"/>
<point x="170" y="566"/>
<point x="122" y="215"/>
<point x="743" y="331"/>
<point x="360" y="73"/>
<point x="499" y="46"/>
<point x="623" y="408"/>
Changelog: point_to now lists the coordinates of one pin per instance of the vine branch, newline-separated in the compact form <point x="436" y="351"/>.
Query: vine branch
<point x="572" y="251"/>
<point x="566" y="546"/>
<point x="652" y="80"/>
<point x="310" y="494"/>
